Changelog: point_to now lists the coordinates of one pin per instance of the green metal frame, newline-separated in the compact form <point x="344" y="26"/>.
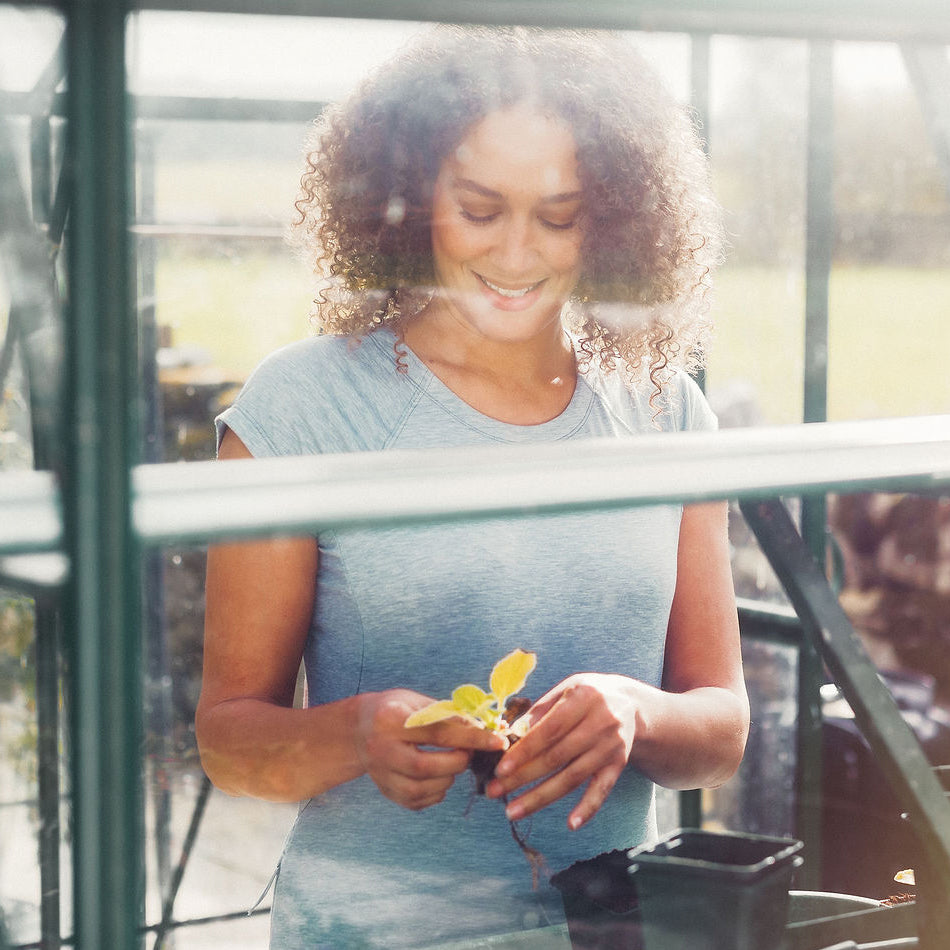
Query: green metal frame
<point x="895" y="746"/>
<point x="105" y="507"/>
<point x="913" y="20"/>
<point x="102" y="611"/>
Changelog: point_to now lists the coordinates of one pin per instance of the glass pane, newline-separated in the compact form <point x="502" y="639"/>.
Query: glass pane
<point x="757" y="140"/>
<point x="216" y="181"/>
<point x="30" y="159"/>
<point x="35" y="860"/>
<point x="891" y="275"/>
<point x="219" y="290"/>
<point x="220" y="850"/>
<point x="890" y="289"/>
<point x="761" y="797"/>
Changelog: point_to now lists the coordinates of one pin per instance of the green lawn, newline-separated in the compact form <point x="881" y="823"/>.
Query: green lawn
<point x="238" y="308"/>
<point x="889" y="340"/>
<point x="889" y="334"/>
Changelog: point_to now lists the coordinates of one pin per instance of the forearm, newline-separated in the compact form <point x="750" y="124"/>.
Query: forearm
<point x="263" y="750"/>
<point x="693" y="739"/>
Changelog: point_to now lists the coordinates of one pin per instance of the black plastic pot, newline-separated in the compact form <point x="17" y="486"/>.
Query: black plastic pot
<point x="695" y="890"/>
<point x="704" y="890"/>
<point x="600" y="903"/>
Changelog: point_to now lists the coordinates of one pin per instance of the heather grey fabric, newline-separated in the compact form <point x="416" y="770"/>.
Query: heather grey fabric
<point x="430" y="607"/>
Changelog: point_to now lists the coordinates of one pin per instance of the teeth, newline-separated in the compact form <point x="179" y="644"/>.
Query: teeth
<point x="505" y="292"/>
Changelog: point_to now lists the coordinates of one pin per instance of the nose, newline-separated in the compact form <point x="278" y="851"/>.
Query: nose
<point x="515" y="251"/>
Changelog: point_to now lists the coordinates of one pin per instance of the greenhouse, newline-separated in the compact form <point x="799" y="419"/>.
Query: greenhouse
<point x="150" y="157"/>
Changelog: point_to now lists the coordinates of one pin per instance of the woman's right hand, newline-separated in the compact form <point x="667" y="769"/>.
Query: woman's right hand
<point x="414" y="767"/>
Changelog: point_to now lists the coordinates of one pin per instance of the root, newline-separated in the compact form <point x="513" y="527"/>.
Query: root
<point x="535" y="858"/>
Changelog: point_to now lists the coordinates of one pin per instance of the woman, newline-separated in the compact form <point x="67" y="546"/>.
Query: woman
<point x="515" y="235"/>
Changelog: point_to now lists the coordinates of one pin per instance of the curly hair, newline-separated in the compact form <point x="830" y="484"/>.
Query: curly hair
<point x="653" y="229"/>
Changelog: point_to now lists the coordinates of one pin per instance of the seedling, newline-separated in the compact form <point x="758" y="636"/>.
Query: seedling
<point x="473" y="704"/>
<point x="500" y="711"/>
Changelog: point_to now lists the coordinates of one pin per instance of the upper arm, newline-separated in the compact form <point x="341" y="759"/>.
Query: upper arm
<point x="703" y="647"/>
<point x="259" y="604"/>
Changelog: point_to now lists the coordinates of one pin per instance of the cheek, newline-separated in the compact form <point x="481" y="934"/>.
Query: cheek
<point x="566" y="256"/>
<point x="452" y="241"/>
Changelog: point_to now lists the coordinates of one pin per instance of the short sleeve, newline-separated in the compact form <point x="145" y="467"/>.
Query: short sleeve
<point x="259" y="416"/>
<point x="697" y="415"/>
<point x="324" y="394"/>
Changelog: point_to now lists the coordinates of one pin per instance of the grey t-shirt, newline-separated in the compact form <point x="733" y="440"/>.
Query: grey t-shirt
<point x="430" y="607"/>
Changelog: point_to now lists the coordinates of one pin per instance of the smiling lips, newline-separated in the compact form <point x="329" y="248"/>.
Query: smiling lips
<point x="510" y="293"/>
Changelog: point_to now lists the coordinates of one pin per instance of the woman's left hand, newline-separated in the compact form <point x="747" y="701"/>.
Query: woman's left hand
<point x="582" y="731"/>
<point x="689" y="732"/>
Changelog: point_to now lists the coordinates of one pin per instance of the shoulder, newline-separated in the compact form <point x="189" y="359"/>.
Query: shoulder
<point x="679" y="407"/>
<point x="685" y="405"/>
<point x="322" y="394"/>
<point x="311" y="359"/>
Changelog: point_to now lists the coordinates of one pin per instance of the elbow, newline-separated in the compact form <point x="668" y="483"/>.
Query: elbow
<point x="219" y="777"/>
<point x="733" y="744"/>
<point x="217" y="765"/>
<point x="238" y="766"/>
<point x="240" y="775"/>
<point x="225" y="762"/>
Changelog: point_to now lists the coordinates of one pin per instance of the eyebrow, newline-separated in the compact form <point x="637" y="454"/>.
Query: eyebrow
<point x="466" y="184"/>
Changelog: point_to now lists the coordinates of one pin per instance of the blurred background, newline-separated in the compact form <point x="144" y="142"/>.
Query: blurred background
<point x="220" y="108"/>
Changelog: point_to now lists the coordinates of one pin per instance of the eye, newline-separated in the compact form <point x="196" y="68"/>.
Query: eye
<point x="558" y="225"/>
<point x="478" y="218"/>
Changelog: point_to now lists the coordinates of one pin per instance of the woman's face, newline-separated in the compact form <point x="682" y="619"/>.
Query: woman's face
<point x="507" y="225"/>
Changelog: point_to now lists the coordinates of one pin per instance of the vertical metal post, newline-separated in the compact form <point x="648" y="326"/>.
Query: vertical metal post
<point x="819" y="228"/>
<point x="895" y="747"/>
<point x="41" y="168"/>
<point x="819" y="240"/>
<point x="699" y="54"/>
<point x="46" y="608"/>
<point x="158" y="698"/>
<point x="47" y="753"/>
<point x="102" y="617"/>
<point x="691" y="801"/>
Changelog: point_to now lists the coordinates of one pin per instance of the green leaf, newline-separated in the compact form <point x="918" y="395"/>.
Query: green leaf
<point x="470" y="698"/>
<point x="510" y="674"/>
<point x="434" y="712"/>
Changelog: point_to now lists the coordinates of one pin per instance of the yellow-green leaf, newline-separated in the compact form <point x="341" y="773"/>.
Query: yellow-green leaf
<point x="510" y="674"/>
<point x="470" y="698"/>
<point x="434" y="712"/>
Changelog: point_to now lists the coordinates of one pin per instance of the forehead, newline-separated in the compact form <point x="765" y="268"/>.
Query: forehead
<point x="516" y="148"/>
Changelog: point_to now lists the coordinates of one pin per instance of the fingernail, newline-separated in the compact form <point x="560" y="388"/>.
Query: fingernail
<point x="503" y="768"/>
<point x="574" y="822"/>
<point x="514" y="811"/>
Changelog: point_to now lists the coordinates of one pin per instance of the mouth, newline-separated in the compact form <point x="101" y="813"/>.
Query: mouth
<point x="512" y="293"/>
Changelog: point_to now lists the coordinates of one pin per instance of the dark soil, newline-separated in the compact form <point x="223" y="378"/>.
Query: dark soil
<point x="484" y="763"/>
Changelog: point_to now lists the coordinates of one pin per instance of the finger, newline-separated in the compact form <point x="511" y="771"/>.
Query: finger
<point x="419" y="764"/>
<point x="552" y="758"/>
<point x="556" y="739"/>
<point x="456" y="734"/>
<point x="414" y="795"/>
<point x="570" y="778"/>
<point x="544" y="735"/>
<point x="596" y="793"/>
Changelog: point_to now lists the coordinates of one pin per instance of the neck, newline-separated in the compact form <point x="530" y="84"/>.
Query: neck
<point x="546" y="358"/>
<point x="524" y="382"/>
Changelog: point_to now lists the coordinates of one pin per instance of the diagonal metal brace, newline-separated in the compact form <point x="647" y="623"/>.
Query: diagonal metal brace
<point x="892" y="741"/>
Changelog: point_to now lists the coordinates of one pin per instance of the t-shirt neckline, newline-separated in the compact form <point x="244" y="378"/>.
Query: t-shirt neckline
<point x="562" y="426"/>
